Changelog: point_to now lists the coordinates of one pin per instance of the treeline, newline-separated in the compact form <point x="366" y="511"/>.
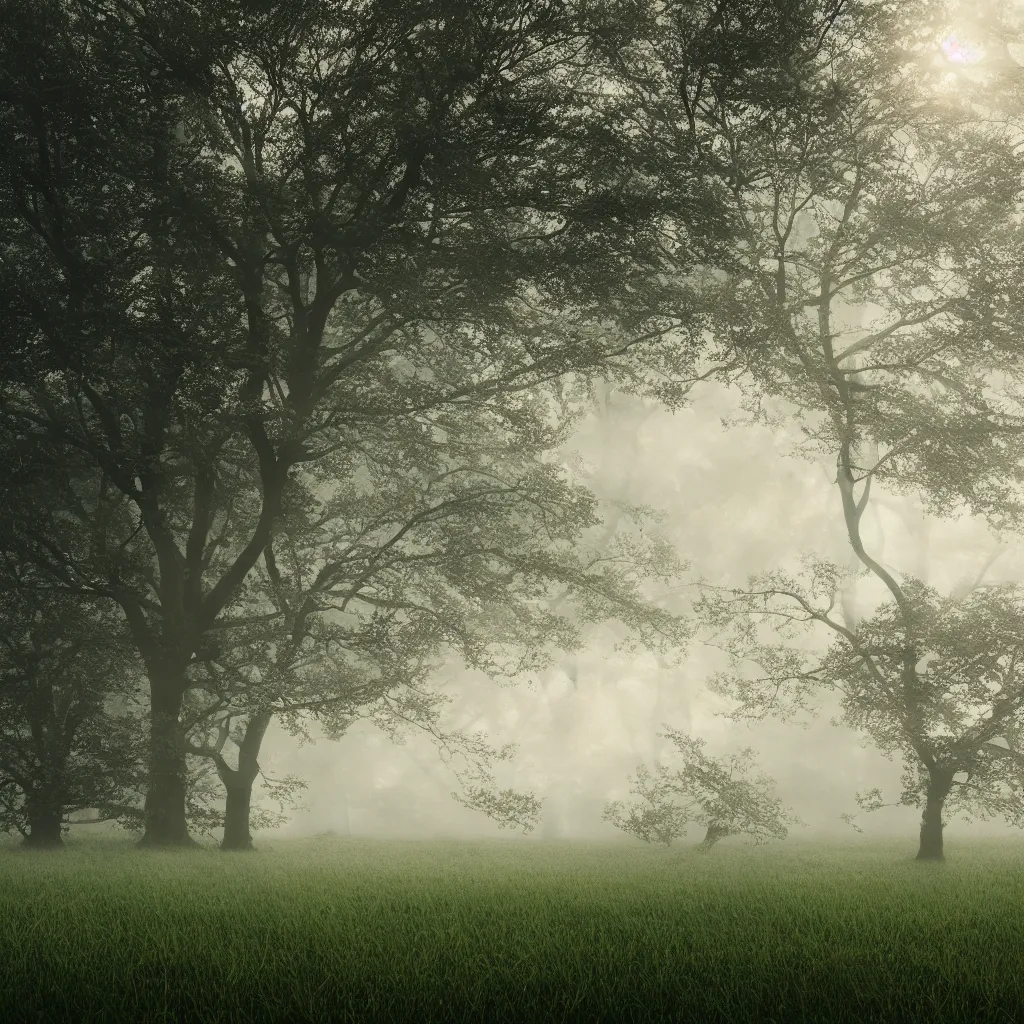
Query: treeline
<point x="299" y="299"/>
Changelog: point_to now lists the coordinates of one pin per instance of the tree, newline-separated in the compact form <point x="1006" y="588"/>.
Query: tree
<point x="207" y="729"/>
<point x="69" y="728"/>
<point x="940" y="705"/>
<point x="717" y="797"/>
<point x="476" y="547"/>
<point x="874" y="293"/>
<point x="235" y="243"/>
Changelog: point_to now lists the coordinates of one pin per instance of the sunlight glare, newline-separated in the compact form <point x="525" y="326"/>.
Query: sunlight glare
<point x="958" y="51"/>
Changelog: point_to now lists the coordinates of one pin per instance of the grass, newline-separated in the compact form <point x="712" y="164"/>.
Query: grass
<point x="362" y="930"/>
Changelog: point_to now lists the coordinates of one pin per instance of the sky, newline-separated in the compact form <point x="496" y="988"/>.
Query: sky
<point x="736" y="501"/>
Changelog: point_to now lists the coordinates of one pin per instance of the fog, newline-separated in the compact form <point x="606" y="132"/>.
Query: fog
<point x="736" y="501"/>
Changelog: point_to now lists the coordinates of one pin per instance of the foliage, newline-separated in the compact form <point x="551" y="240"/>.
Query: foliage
<point x="872" y="277"/>
<point x="69" y="724"/>
<point x="937" y="689"/>
<point x="716" y="794"/>
<point x="873" y="286"/>
<point x="250" y="253"/>
<point x="299" y="297"/>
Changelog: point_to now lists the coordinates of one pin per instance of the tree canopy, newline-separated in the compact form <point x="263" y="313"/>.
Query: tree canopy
<point x="242" y="245"/>
<point x="299" y="299"/>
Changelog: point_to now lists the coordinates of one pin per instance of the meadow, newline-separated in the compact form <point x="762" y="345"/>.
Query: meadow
<point x="352" y="929"/>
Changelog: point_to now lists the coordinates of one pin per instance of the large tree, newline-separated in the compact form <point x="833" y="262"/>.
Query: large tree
<point x="875" y="293"/>
<point x="237" y="240"/>
<point x="234" y="243"/>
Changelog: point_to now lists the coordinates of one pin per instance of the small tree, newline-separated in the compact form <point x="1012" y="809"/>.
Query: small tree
<point x="68" y="731"/>
<point x="936" y="685"/>
<point x="716" y="795"/>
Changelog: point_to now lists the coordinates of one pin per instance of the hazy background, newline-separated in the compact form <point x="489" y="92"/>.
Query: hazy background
<point x="737" y="501"/>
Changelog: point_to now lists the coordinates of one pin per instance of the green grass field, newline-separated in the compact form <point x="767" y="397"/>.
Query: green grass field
<point x="364" y="930"/>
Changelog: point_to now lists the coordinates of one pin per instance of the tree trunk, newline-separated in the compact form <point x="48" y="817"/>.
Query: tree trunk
<point x="165" y="797"/>
<point x="236" y="817"/>
<point x="713" y="834"/>
<point x="939" y="785"/>
<point x="239" y="782"/>
<point x="45" y="816"/>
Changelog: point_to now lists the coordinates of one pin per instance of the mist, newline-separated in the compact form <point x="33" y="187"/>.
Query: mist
<point x="736" y="501"/>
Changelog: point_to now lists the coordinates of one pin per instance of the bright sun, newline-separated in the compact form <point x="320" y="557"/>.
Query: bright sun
<point x="958" y="51"/>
